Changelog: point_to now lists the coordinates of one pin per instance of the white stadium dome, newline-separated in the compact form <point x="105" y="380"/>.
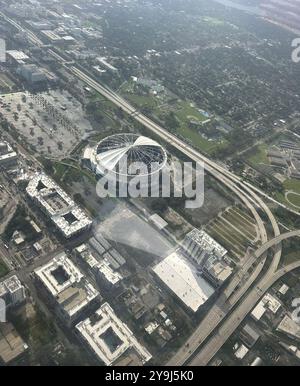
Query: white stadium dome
<point x="115" y="154"/>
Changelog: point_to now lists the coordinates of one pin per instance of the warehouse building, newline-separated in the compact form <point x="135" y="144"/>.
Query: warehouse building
<point x="290" y="327"/>
<point x="109" y="338"/>
<point x="68" y="218"/>
<point x="184" y="280"/>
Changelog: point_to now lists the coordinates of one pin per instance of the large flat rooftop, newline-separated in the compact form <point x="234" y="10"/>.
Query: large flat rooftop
<point x="184" y="280"/>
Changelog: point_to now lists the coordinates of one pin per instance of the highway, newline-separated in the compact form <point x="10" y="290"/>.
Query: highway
<point x="234" y="183"/>
<point x="274" y="242"/>
<point x="217" y="317"/>
<point x="214" y="344"/>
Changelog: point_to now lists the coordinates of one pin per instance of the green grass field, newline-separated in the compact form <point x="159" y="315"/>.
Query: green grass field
<point x="294" y="199"/>
<point x="185" y="112"/>
<point x="198" y="141"/>
<point x="292" y="184"/>
<point x="259" y="155"/>
<point x="142" y="101"/>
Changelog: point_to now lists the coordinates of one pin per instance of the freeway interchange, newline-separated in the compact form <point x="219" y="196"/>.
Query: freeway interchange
<point x="253" y="279"/>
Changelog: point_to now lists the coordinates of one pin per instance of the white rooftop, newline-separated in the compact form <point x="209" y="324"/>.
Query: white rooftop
<point x="241" y="352"/>
<point x="259" y="311"/>
<point x="110" y="158"/>
<point x="283" y="289"/>
<point x="97" y="265"/>
<point x="66" y="284"/>
<point x="289" y="326"/>
<point x="158" y="221"/>
<point x="58" y="205"/>
<point x="11" y="285"/>
<point x="17" y="55"/>
<point x="271" y="303"/>
<point x="205" y="242"/>
<point x="268" y="302"/>
<point x="182" y="277"/>
<point x="45" y="274"/>
<point x="109" y="337"/>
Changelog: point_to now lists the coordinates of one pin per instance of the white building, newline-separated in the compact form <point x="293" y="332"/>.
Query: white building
<point x="68" y="218"/>
<point x="289" y="327"/>
<point x="67" y="287"/>
<point x="18" y="57"/>
<point x="106" y="65"/>
<point x="100" y="267"/>
<point x="283" y="290"/>
<point x="240" y="351"/>
<point x="268" y="302"/>
<point x="110" y="338"/>
<point x="12" y="291"/>
<point x="216" y="271"/>
<point x="184" y="280"/>
<point x="199" y="246"/>
<point x="8" y="157"/>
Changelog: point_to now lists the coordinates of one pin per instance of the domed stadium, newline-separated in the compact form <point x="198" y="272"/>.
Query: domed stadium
<point x="116" y="154"/>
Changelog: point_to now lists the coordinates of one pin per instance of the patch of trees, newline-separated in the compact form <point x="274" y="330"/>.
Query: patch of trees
<point x="21" y="224"/>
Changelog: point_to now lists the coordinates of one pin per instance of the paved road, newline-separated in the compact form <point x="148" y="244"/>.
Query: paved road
<point x="221" y="335"/>
<point x="277" y="240"/>
<point x="250" y="199"/>
<point x="232" y="322"/>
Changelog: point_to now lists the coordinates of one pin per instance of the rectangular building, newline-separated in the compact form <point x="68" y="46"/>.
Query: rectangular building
<point x="32" y="73"/>
<point x="98" y="266"/>
<point x="12" y="291"/>
<point x="268" y="302"/>
<point x="68" y="218"/>
<point x="17" y="57"/>
<point x="8" y="157"/>
<point x="216" y="271"/>
<point x="184" y="280"/>
<point x="199" y="246"/>
<point x="11" y="344"/>
<point x="67" y="288"/>
<point x="109" y="338"/>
